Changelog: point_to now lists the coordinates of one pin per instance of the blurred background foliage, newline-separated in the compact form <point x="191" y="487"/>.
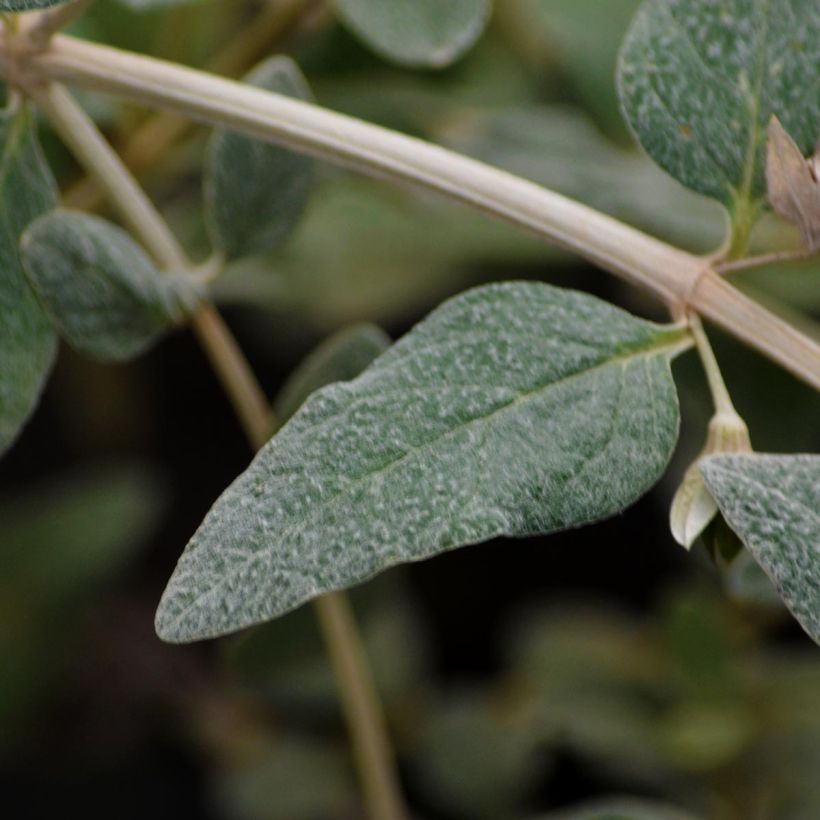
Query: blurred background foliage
<point x="594" y="674"/>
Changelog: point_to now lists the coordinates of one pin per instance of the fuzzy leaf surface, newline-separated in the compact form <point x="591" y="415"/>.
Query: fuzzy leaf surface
<point x="255" y="193"/>
<point x="421" y="33"/>
<point x="514" y="409"/>
<point x="772" y="503"/>
<point x="27" y="340"/>
<point x="28" y="5"/>
<point x="339" y="358"/>
<point x="103" y="293"/>
<point x="699" y="82"/>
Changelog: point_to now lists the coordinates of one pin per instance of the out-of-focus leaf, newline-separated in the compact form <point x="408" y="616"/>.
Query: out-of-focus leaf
<point x="338" y="359"/>
<point x="27" y="341"/>
<point x="772" y="503"/>
<point x="513" y="409"/>
<point x="293" y="779"/>
<point x="699" y="82"/>
<point x="28" y="5"/>
<point x="57" y="544"/>
<point x="560" y="148"/>
<point x="369" y="252"/>
<point x="152" y="5"/>
<point x="581" y="38"/>
<point x="477" y="758"/>
<point x="103" y="293"/>
<point x="621" y="808"/>
<point x="422" y="33"/>
<point x="57" y="539"/>
<point x="286" y="659"/>
<point x="255" y="192"/>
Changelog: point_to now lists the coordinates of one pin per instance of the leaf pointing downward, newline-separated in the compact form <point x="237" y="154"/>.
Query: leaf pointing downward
<point x="772" y="503"/>
<point x="513" y="409"/>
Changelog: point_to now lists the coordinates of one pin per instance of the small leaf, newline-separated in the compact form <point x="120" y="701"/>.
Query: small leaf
<point x="772" y="503"/>
<point x="421" y="33"/>
<point x="513" y="409"/>
<point x="794" y="189"/>
<point x="255" y="193"/>
<point x="27" y="341"/>
<point x="340" y="358"/>
<point x="699" y="82"/>
<point x="28" y="5"/>
<point x="102" y="292"/>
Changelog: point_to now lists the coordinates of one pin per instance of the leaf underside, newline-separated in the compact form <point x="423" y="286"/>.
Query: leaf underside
<point x="699" y="82"/>
<point x="513" y="409"/>
<point x="772" y="503"/>
<point x="27" y="341"/>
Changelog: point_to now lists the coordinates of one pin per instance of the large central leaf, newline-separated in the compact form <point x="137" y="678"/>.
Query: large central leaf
<point x="513" y="409"/>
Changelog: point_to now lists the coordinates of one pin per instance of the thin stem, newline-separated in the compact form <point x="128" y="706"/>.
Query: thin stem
<point x="749" y="262"/>
<point x="676" y="277"/>
<point x="151" y="140"/>
<point x="362" y="709"/>
<point x="717" y="387"/>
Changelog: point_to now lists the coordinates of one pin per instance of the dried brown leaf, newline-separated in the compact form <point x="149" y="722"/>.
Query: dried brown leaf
<point x="794" y="189"/>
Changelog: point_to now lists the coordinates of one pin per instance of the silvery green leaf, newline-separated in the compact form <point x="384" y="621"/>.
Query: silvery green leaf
<point x="512" y="409"/>
<point x="422" y="33"/>
<point x="699" y="82"/>
<point x="340" y="358"/>
<point x="103" y="293"/>
<point x="27" y="341"/>
<point x="255" y="192"/>
<point x="772" y="503"/>
<point x="28" y="5"/>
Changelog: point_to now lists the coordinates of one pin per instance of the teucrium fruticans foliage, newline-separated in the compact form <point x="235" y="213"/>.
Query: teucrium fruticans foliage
<point x="424" y="33"/>
<point x="699" y="82"/>
<point x="27" y="342"/>
<point x="28" y="5"/>
<point x="255" y="192"/>
<point x="103" y="293"/>
<point x="513" y="409"/>
<point x="773" y="504"/>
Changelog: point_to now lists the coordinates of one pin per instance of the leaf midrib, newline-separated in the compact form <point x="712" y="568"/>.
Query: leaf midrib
<point x="672" y="343"/>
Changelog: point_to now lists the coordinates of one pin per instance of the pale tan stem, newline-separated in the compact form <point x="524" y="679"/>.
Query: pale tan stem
<point x="361" y="706"/>
<point x="720" y="394"/>
<point x="152" y="139"/>
<point x="750" y="262"/>
<point x="50" y="22"/>
<point x="680" y="279"/>
<point x="365" y="719"/>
